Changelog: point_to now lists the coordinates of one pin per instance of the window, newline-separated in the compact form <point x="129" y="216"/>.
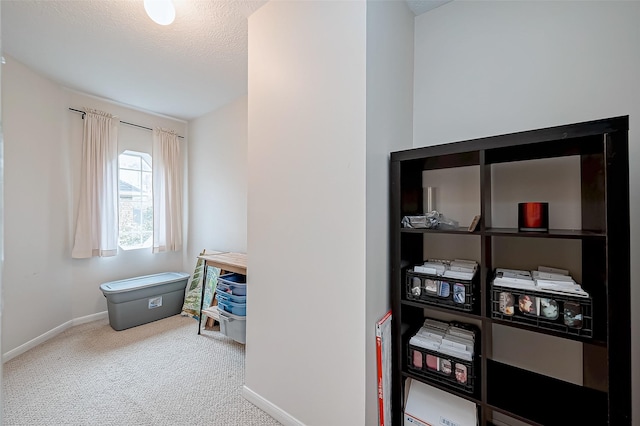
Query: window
<point x="135" y="204"/>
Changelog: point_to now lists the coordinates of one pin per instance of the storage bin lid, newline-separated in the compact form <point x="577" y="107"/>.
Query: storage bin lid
<point x="226" y="315"/>
<point x="233" y="279"/>
<point x="142" y="282"/>
<point x="230" y="296"/>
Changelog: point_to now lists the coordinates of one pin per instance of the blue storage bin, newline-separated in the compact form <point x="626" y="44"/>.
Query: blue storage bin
<point x="225" y="295"/>
<point x="236" y="283"/>
<point x="239" y="309"/>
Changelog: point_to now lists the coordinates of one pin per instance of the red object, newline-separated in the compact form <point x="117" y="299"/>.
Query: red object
<point x="432" y="362"/>
<point x="533" y="216"/>
<point x="383" y="387"/>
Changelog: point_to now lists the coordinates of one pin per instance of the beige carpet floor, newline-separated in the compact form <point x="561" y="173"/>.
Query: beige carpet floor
<point x="161" y="373"/>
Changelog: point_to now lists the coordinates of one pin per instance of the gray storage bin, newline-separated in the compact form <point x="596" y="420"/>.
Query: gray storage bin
<point x="233" y="326"/>
<point x="139" y="300"/>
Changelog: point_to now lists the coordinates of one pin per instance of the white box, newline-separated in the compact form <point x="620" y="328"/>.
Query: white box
<point x="429" y="406"/>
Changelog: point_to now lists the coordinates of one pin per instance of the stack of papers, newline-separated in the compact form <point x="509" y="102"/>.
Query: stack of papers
<point x="545" y="279"/>
<point x="514" y="278"/>
<point x="461" y="269"/>
<point x="445" y="338"/>
<point x="426" y="405"/>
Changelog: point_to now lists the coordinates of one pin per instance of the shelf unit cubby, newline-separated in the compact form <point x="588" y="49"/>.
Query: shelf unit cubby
<point x="582" y="170"/>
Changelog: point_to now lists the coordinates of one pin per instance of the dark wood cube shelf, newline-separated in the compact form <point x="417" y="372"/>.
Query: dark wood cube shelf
<point x="599" y="150"/>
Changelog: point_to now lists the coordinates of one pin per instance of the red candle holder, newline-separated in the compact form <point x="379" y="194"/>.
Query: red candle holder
<point x="533" y="217"/>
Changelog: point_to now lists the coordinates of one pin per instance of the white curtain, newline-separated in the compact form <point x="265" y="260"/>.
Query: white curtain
<point x="97" y="221"/>
<point x="167" y="191"/>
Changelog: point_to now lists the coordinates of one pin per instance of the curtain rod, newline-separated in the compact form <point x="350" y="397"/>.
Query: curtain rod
<point x="123" y="122"/>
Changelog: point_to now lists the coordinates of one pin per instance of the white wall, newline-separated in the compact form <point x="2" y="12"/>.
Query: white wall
<point x="37" y="276"/>
<point x="306" y="288"/>
<point x="218" y="180"/>
<point x="1" y="224"/>
<point x="43" y="287"/>
<point x="389" y="76"/>
<point x="488" y="68"/>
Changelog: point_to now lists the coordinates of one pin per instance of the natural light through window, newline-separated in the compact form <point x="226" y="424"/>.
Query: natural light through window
<point x="135" y="200"/>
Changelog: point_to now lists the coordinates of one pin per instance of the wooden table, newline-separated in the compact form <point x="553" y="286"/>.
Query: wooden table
<point x="227" y="262"/>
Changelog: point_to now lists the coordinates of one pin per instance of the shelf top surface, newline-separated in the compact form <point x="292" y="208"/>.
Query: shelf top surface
<point x="556" y="133"/>
<point x="513" y="232"/>
<point x="230" y="261"/>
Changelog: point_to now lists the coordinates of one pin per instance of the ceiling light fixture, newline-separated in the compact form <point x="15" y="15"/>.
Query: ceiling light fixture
<point x="161" y="11"/>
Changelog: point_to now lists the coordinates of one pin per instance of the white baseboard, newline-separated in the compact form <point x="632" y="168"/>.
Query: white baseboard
<point x="51" y="333"/>
<point x="273" y="410"/>
<point x="89" y="318"/>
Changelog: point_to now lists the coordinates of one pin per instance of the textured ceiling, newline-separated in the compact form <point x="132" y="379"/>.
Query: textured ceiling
<point x="421" y="6"/>
<point x="111" y="49"/>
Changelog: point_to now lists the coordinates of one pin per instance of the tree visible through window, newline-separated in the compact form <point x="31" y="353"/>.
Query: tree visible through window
<point x="135" y="200"/>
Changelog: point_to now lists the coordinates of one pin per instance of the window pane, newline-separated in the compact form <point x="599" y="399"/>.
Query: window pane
<point x="130" y="183"/>
<point x="136" y="200"/>
<point x="146" y="162"/>
<point x="129" y="161"/>
<point x="146" y="186"/>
